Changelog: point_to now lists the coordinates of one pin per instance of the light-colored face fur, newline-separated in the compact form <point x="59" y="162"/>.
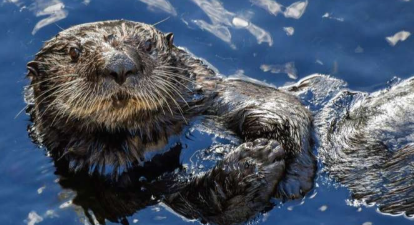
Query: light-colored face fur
<point x="74" y="74"/>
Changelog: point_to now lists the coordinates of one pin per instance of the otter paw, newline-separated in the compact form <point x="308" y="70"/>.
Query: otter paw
<point x="237" y="188"/>
<point x="263" y="151"/>
<point x="258" y="162"/>
<point x="299" y="177"/>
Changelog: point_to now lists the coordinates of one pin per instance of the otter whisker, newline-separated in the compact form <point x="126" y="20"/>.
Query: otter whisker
<point x="60" y="112"/>
<point x="25" y="107"/>
<point x="163" y="20"/>
<point x="85" y="100"/>
<point x="95" y="101"/>
<point x="173" y="67"/>
<point x="52" y="95"/>
<point x="178" y="79"/>
<point x="18" y="114"/>
<point x="178" y="75"/>
<point x="173" y="78"/>
<point x="71" y="112"/>
<point x="48" y="91"/>
<point x="147" y="104"/>
<point x="157" y="99"/>
<point x="172" y="88"/>
<point x="52" y="78"/>
<point x="78" y="98"/>
<point x="99" y="102"/>
<point x="74" y="97"/>
<point x="141" y="88"/>
<point x="163" y="98"/>
<point x="151" y="98"/>
<point x="57" y="96"/>
<point x="63" y="95"/>
<point x="185" y="73"/>
<point x="181" y="76"/>
<point x="86" y="97"/>
<point x="166" y="91"/>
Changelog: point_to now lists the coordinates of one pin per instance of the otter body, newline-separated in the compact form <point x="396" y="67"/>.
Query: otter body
<point x="104" y="94"/>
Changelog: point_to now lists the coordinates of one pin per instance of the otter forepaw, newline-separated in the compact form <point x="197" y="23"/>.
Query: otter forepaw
<point x="237" y="188"/>
<point x="299" y="177"/>
<point x="263" y="151"/>
<point x="259" y="161"/>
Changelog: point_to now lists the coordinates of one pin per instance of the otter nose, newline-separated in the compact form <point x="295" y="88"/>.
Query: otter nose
<point x="119" y="66"/>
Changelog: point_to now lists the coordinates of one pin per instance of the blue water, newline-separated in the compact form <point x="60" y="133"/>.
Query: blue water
<point x="344" y="38"/>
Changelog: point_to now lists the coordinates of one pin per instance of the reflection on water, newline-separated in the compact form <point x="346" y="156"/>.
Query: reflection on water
<point x="364" y="43"/>
<point x="400" y="36"/>
<point x="289" y="30"/>
<point x="163" y="5"/>
<point x="288" y="68"/>
<point x="240" y="75"/>
<point x="14" y="2"/>
<point x="295" y="10"/>
<point x="53" y="9"/>
<point x="33" y="218"/>
<point x="271" y="6"/>
<point x="329" y="16"/>
<point x="222" y="20"/>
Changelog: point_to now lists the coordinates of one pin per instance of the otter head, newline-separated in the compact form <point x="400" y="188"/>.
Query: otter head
<point x="112" y="75"/>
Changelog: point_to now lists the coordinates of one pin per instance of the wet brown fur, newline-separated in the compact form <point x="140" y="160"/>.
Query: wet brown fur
<point x="94" y="121"/>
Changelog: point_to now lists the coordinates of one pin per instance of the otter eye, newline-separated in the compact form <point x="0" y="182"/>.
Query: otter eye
<point x="148" y="46"/>
<point x="74" y="53"/>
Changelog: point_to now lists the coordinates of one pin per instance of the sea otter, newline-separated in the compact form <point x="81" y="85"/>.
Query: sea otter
<point x="104" y="95"/>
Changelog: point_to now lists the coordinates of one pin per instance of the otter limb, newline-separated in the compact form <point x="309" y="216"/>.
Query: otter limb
<point x="366" y="140"/>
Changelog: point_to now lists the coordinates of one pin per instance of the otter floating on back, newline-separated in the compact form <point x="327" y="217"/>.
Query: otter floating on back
<point x="107" y="93"/>
<point x="103" y="95"/>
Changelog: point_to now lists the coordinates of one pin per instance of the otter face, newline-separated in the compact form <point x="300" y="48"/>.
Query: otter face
<point x="108" y="73"/>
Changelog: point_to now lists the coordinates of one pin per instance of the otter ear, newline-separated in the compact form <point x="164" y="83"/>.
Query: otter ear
<point x="33" y="69"/>
<point x="170" y="39"/>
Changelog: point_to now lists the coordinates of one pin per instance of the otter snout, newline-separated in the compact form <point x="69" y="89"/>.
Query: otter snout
<point x="119" y="66"/>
